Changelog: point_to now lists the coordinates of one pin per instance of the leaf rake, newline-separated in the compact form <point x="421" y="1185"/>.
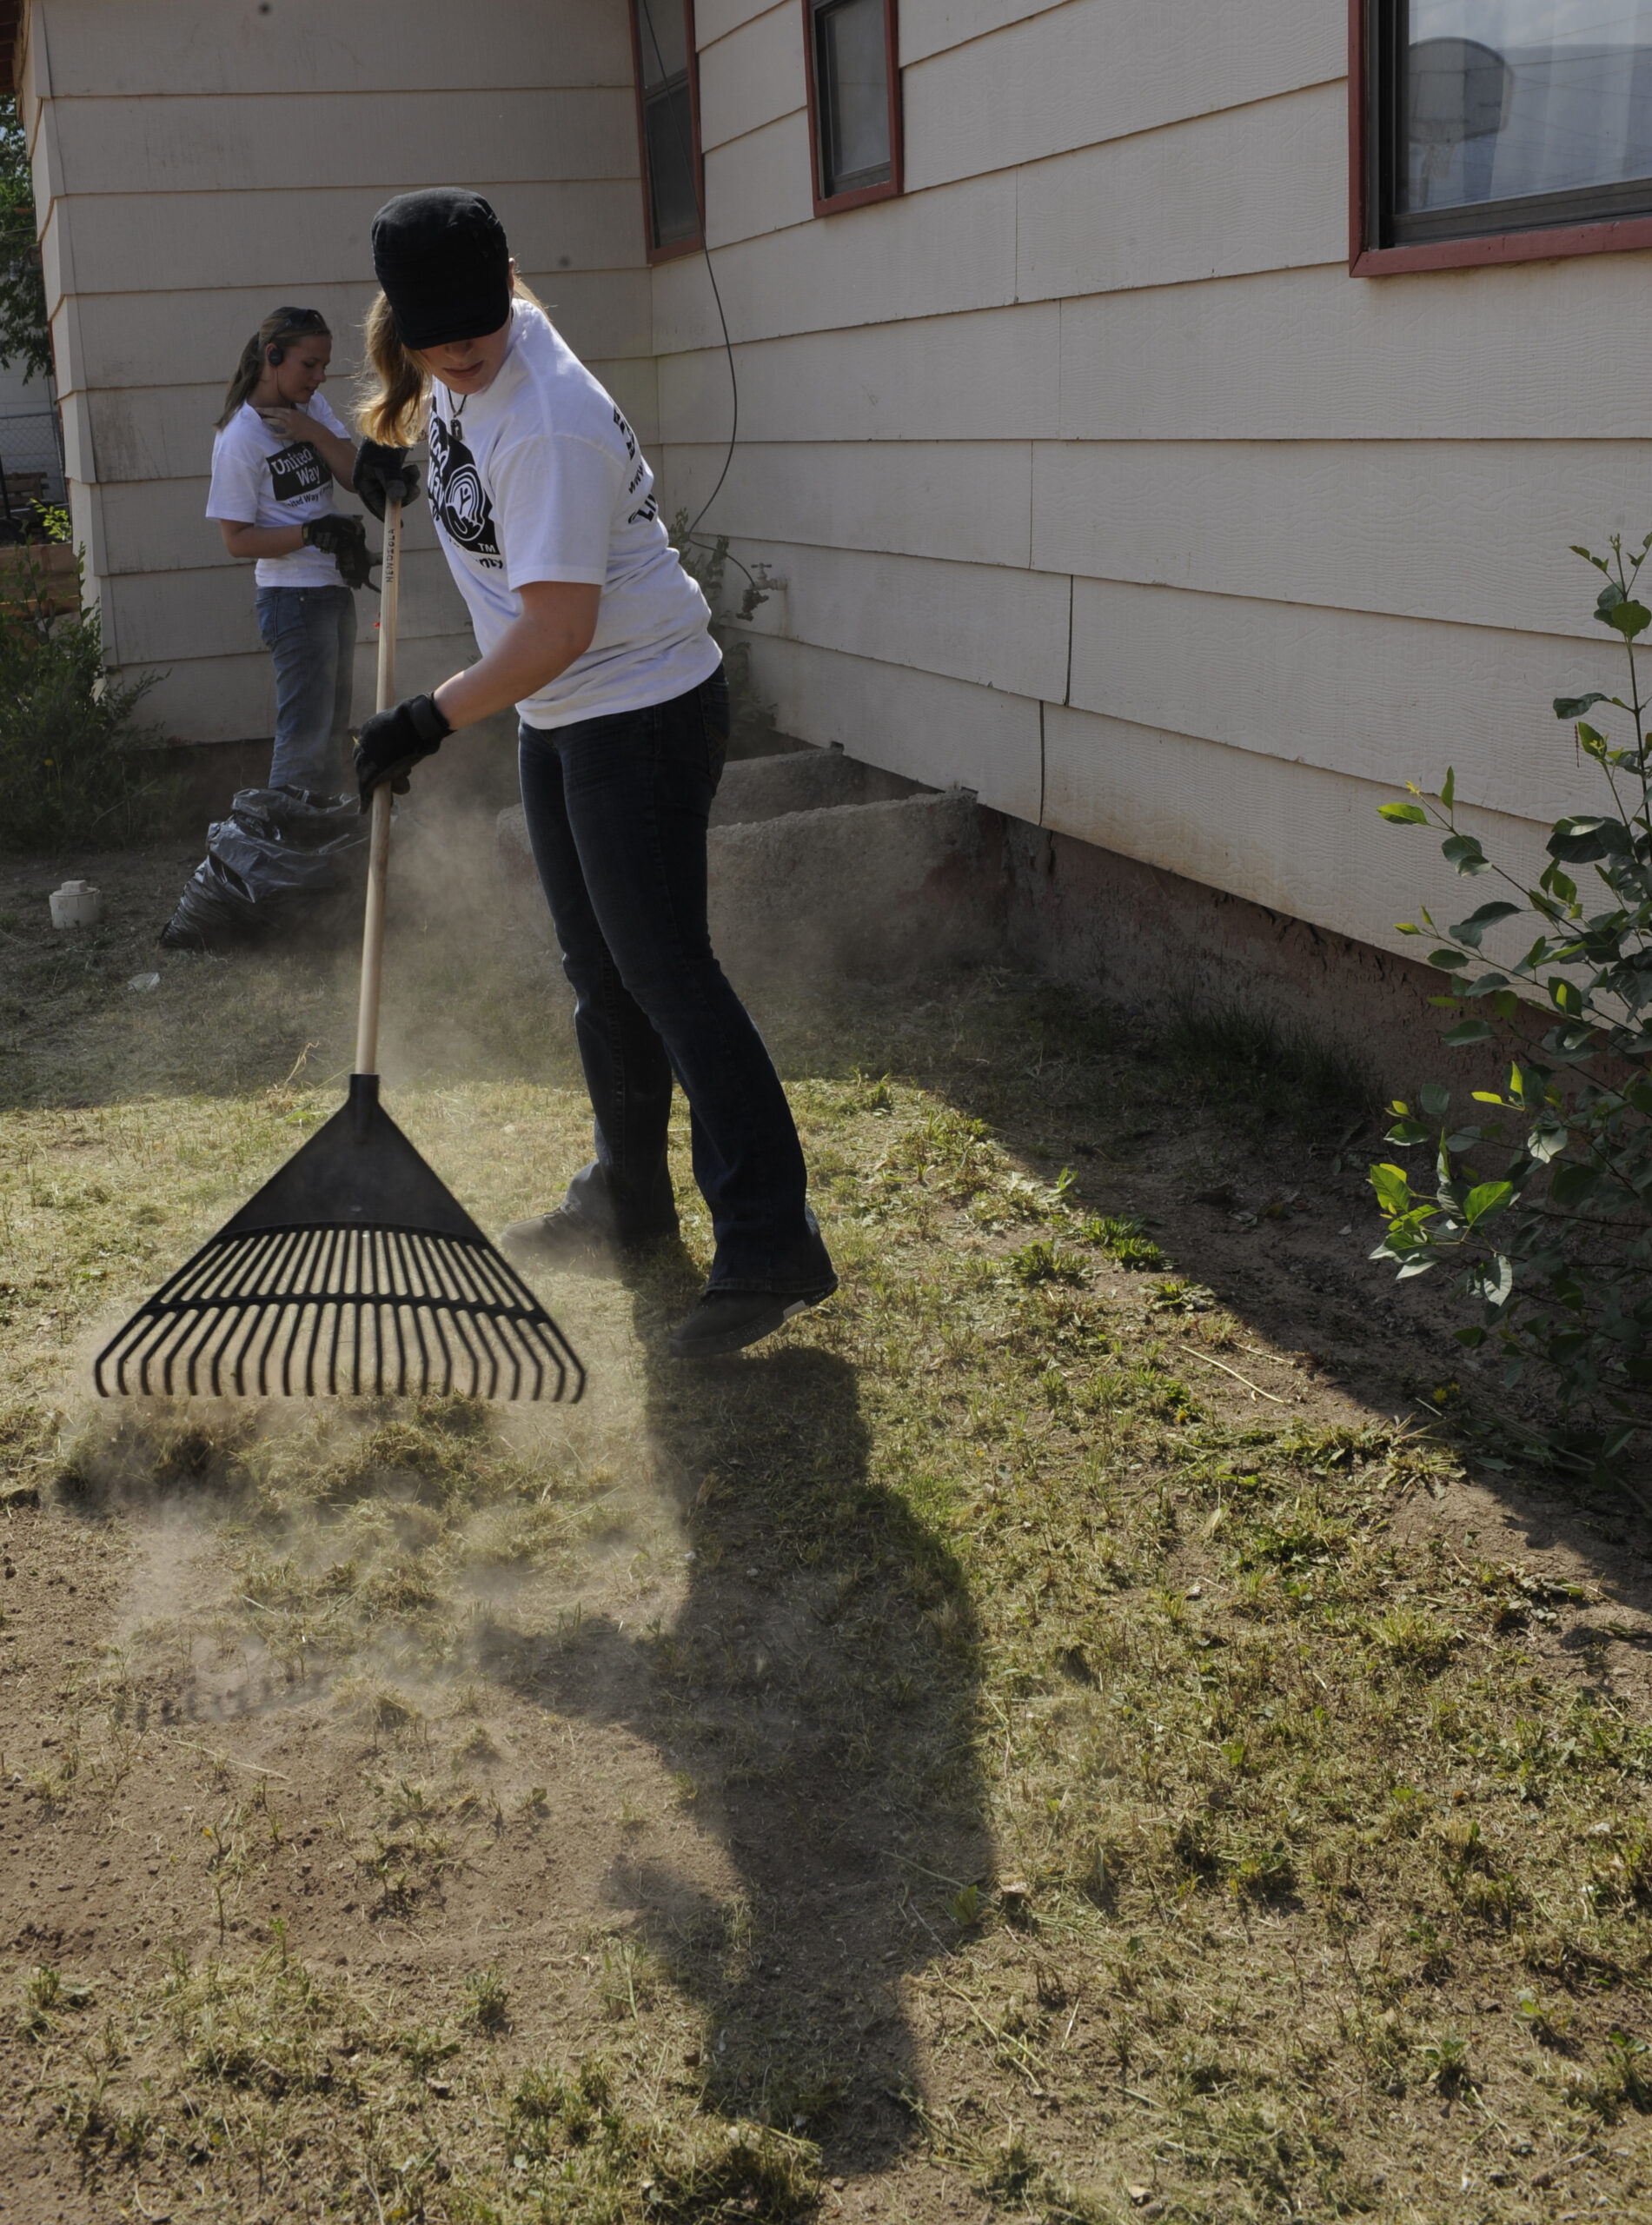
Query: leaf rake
<point x="354" y="1270"/>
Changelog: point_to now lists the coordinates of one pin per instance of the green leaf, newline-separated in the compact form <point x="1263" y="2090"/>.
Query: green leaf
<point x="1581" y="842"/>
<point x="1393" y="1188"/>
<point x="1574" y="706"/>
<point x="1469" y="1031"/>
<point x="1465" y="854"/>
<point x="1448" y="961"/>
<point x="1566" y="996"/>
<point x="1546" y="1140"/>
<point x="1484" y="1199"/>
<point x="1449" y="789"/>
<point x="1407" y="1133"/>
<point x="1487" y="915"/>
<point x="1436" y="1099"/>
<point x="1403" y="814"/>
<point x="1406" y="927"/>
<point x="1571" y="1183"/>
<point x="1628" y="618"/>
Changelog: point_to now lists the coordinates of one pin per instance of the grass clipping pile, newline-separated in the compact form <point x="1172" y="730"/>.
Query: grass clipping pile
<point x="1046" y="1733"/>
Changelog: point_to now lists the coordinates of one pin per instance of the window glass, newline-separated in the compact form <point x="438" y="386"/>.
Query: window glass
<point x="852" y="65"/>
<point x="1506" y="99"/>
<point x="668" y="121"/>
<point x="662" y="36"/>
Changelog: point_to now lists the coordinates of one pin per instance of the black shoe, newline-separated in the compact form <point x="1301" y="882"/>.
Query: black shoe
<point x="728" y="1320"/>
<point x="564" y="1238"/>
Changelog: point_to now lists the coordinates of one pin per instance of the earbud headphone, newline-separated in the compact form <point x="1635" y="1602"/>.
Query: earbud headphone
<point x="274" y="356"/>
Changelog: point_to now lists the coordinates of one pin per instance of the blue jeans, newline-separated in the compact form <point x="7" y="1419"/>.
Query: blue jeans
<point x="310" y="632"/>
<point x="617" y="810"/>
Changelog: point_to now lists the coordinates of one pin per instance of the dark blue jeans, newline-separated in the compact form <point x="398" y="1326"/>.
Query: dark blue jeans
<point x="617" y="810"/>
<point x="310" y="632"/>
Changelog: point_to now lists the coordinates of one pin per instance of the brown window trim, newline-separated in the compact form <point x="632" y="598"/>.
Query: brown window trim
<point x="1612" y="236"/>
<point x="892" y="185"/>
<point x="696" y="244"/>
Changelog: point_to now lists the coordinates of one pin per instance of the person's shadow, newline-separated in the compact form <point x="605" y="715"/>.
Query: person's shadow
<point x="814" y="1699"/>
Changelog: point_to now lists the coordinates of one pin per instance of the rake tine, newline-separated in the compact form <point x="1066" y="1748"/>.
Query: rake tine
<point x="409" y="1304"/>
<point x="462" y="1327"/>
<point x="418" y="1304"/>
<point x="324" y="1276"/>
<point x="418" y="1311"/>
<point x="332" y="1355"/>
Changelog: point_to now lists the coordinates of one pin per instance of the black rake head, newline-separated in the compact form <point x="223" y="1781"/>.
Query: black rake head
<point x="353" y="1272"/>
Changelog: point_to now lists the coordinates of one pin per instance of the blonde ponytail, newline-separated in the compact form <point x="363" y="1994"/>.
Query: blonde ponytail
<point x="390" y="406"/>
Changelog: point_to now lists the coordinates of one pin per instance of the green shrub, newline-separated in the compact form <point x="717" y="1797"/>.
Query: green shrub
<point x="70" y="767"/>
<point x="1542" y="1194"/>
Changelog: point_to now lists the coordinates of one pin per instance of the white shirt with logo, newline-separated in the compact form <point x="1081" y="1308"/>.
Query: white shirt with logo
<point x="541" y="478"/>
<point x="258" y="478"/>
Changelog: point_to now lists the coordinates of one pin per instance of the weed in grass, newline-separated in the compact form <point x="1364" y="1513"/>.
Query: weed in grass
<point x="1414" y="1640"/>
<point x="490" y="1997"/>
<point x="1120" y="1235"/>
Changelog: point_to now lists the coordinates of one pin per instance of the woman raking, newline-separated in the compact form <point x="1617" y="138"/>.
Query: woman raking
<point x="590" y="626"/>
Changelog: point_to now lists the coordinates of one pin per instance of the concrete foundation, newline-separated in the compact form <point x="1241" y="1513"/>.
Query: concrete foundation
<point x="819" y="863"/>
<point x="1147" y="937"/>
<point x="891" y="880"/>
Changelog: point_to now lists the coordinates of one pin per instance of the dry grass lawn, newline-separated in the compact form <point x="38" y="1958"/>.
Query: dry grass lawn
<point x="1061" y="1733"/>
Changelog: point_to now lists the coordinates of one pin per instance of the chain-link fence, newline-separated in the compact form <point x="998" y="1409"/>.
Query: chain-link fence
<point x="31" y="461"/>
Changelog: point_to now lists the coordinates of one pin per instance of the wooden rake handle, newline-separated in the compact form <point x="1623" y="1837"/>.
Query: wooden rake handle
<point x="378" y="852"/>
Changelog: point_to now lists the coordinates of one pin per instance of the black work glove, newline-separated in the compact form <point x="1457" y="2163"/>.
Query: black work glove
<point x="393" y="741"/>
<point x="345" y="540"/>
<point x="382" y="476"/>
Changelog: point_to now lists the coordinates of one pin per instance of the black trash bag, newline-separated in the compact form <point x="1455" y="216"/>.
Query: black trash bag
<point x="283" y="861"/>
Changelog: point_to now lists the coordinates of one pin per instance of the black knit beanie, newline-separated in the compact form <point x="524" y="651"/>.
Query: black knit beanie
<point x="440" y="257"/>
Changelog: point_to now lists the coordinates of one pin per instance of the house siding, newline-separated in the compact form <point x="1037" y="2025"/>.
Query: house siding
<point x="1098" y="484"/>
<point x="197" y="163"/>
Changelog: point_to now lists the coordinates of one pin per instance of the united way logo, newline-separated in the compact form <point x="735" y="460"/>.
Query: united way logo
<point x="457" y="494"/>
<point x="297" y="472"/>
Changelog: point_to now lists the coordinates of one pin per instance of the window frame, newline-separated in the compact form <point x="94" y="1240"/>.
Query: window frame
<point x="1368" y="258"/>
<point x="858" y="196"/>
<point x="696" y="244"/>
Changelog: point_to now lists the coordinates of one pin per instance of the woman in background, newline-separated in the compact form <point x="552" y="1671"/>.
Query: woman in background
<point x="279" y="453"/>
<point x="590" y="626"/>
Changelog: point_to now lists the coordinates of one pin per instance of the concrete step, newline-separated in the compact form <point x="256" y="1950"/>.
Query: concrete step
<point x="810" y="780"/>
<point x="875" y="885"/>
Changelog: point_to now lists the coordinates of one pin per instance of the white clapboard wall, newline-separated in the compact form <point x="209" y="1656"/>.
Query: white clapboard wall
<point x="198" y="165"/>
<point x="1096" y="482"/>
<point x="1099" y="485"/>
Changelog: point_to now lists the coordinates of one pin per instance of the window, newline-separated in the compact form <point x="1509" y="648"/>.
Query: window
<point x="1500" y="131"/>
<point x="854" y="100"/>
<point x="663" y="36"/>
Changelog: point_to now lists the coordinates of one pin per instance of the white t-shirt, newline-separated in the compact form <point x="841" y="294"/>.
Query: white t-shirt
<point x="541" y="478"/>
<point x="259" y="479"/>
